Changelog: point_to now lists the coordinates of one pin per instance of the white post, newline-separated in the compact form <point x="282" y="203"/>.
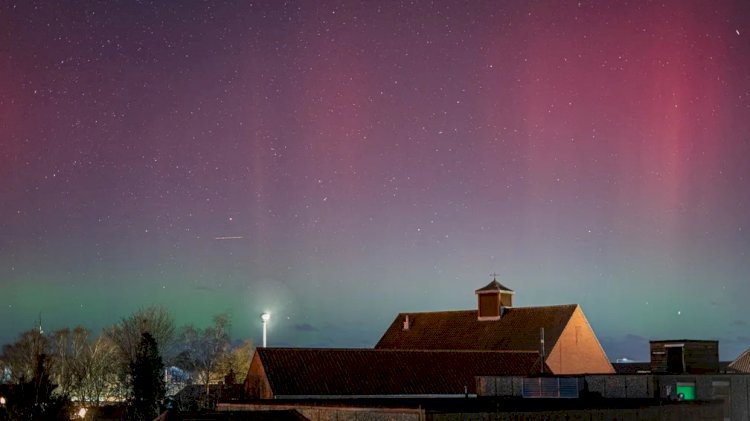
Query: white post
<point x="264" y="333"/>
<point x="265" y="317"/>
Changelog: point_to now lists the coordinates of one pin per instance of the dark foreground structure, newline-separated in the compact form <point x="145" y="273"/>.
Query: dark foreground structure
<point x="497" y="362"/>
<point x="483" y="408"/>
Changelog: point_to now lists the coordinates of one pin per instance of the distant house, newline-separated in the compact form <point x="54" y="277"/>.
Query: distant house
<point x="193" y="397"/>
<point x="561" y="333"/>
<point x="741" y="364"/>
<point x="293" y="373"/>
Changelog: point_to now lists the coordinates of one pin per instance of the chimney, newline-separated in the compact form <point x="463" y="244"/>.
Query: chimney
<point x="406" y="322"/>
<point x="492" y="299"/>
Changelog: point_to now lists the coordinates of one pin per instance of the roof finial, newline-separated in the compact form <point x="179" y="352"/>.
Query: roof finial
<point x="494" y="276"/>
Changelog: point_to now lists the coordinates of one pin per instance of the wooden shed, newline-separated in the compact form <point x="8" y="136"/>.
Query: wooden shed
<point x="685" y="356"/>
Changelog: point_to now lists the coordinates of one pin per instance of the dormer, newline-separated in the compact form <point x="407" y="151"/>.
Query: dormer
<point x="491" y="299"/>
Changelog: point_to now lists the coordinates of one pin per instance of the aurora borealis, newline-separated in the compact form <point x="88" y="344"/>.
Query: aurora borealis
<point x="336" y="163"/>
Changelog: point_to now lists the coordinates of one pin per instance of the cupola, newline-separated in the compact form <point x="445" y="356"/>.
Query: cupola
<point x="491" y="299"/>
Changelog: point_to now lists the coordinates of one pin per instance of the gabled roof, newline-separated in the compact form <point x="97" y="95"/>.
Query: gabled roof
<point x="517" y="330"/>
<point x="372" y="372"/>
<point x="742" y="363"/>
<point x="494" y="286"/>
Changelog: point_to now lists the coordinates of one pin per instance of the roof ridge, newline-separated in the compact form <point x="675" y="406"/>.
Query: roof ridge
<point x="436" y="311"/>
<point x="548" y="306"/>
<point x="474" y="310"/>
<point x="496" y="351"/>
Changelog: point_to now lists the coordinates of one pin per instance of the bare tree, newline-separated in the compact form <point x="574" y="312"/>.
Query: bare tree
<point x="67" y="348"/>
<point x="21" y="357"/>
<point x="88" y="366"/>
<point x="126" y="335"/>
<point x="81" y="367"/>
<point x="99" y="378"/>
<point x="204" y="348"/>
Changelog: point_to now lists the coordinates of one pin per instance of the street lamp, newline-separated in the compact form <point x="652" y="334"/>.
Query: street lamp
<point x="265" y="317"/>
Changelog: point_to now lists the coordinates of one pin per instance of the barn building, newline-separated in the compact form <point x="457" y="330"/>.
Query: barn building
<point x="560" y="333"/>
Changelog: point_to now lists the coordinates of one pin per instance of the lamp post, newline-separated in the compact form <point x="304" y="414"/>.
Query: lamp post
<point x="265" y="317"/>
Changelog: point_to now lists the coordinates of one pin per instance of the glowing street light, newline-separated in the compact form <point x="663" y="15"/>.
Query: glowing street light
<point x="265" y="317"/>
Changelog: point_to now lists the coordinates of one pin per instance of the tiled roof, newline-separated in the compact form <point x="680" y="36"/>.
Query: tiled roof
<point x="371" y="372"/>
<point x="517" y="329"/>
<point x="494" y="286"/>
<point x="742" y="363"/>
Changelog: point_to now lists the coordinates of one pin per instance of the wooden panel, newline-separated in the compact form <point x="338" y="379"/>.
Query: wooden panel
<point x="700" y="357"/>
<point x="506" y="300"/>
<point x="488" y="305"/>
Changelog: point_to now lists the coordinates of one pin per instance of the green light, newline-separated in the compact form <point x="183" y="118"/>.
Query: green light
<point x="687" y="391"/>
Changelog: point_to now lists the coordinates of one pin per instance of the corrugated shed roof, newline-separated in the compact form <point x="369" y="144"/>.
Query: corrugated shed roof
<point x="517" y="329"/>
<point x="742" y="363"/>
<point x="371" y="372"/>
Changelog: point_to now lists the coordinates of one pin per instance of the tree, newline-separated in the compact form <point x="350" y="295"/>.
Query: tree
<point x="81" y="367"/>
<point x="155" y="320"/>
<point x="97" y="378"/>
<point x="126" y="336"/>
<point x="21" y="357"/>
<point x="203" y="349"/>
<point x="67" y="349"/>
<point x="146" y="381"/>
<point x="237" y="361"/>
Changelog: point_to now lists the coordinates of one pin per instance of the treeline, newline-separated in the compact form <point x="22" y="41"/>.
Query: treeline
<point x="134" y="361"/>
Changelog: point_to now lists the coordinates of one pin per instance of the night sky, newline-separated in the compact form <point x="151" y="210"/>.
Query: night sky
<point x="336" y="163"/>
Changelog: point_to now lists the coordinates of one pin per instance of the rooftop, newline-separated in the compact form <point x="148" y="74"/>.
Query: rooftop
<point x="494" y="286"/>
<point x="370" y="372"/>
<point x="518" y="329"/>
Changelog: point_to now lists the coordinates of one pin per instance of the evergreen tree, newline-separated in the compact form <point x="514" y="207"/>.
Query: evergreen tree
<point x="146" y="381"/>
